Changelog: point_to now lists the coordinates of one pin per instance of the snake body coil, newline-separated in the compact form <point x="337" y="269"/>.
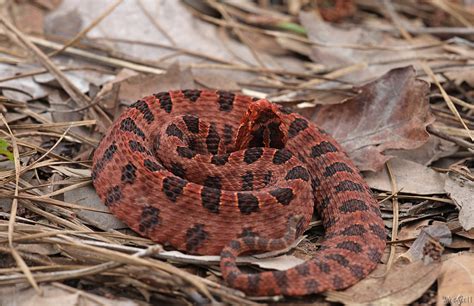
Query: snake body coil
<point x="212" y="172"/>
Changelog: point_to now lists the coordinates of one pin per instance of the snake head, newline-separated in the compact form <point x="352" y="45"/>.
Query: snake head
<point x="261" y="126"/>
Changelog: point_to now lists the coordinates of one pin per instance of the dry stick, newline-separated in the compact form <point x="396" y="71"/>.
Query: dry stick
<point x="175" y="48"/>
<point x="42" y="150"/>
<point x="458" y="88"/>
<point x="155" y="22"/>
<point x="394" y="16"/>
<point x="448" y="117"/>
<point x="37" y="259"/>
<point x="48" y="125"/>
<point x="442" y="31"/>
<point x="64" y="182"/>
<point x="66" y="189"/>
<point x="458" y="141"/>
<point x="393" y="183"/>
<point x="43" y="199"/>
<point x="435" y="199"/>
<point x="30" y="166"/>
<point x="456" y="101"/>
<point x="104" y="60"/>
<point x="7" y="173"/>
<point x="134" y="260"/>
<point x="52" y="233"/>
<point x="67" y="125"/>
<point x="452" y="131"/>
<point x="36" y="237"/>
<point x="263" y="70"/>
<point x="47" y="266"/>
<point x="141" y="68"/>
<point x="334" y="74"/>
<point x="79" y="109"/>
<point x="63" y="275"/>
<point x="55" y="219"/>
<point x="42" y="70"/>
<point x="447" y="99"/>
<point x="86" y="30"/>
<point x="13" y="210"/>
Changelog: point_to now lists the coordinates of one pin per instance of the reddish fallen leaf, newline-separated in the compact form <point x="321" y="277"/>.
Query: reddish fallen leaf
<point x="391" y="112"/>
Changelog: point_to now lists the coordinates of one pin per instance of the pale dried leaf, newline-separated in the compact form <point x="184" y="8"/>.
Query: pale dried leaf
<point x="410" y="176"/>
<point x="456" y="281"/>
<point x="461" y="191"/>
<point x="87" y="197"/>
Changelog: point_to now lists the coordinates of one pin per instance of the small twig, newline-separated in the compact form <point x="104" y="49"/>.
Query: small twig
<point x="175" y="48"/>
<point x="460" y="142"/>
<point x="105" y="60"/>
<point x="395" y="209"/>
<point x="13" y="211"/>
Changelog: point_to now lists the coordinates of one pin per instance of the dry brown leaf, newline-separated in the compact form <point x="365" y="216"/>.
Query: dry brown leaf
<point x="389" y="113"/>
<point x="456" y="281"/>
<point x="461" y="191"/>
<point x="402" y="285"/>
<point x="410" y="176"/>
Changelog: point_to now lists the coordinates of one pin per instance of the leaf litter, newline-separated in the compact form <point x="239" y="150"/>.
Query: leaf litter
<point x="361" y="70"/>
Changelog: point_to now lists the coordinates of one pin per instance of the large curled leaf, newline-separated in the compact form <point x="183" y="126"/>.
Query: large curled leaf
<point x="391" y="112"/>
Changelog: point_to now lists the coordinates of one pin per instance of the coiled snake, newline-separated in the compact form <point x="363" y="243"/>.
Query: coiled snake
<point x="213" y="172"/>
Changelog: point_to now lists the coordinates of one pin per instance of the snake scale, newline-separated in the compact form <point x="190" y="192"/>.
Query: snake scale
<point x="213" y="172"/>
